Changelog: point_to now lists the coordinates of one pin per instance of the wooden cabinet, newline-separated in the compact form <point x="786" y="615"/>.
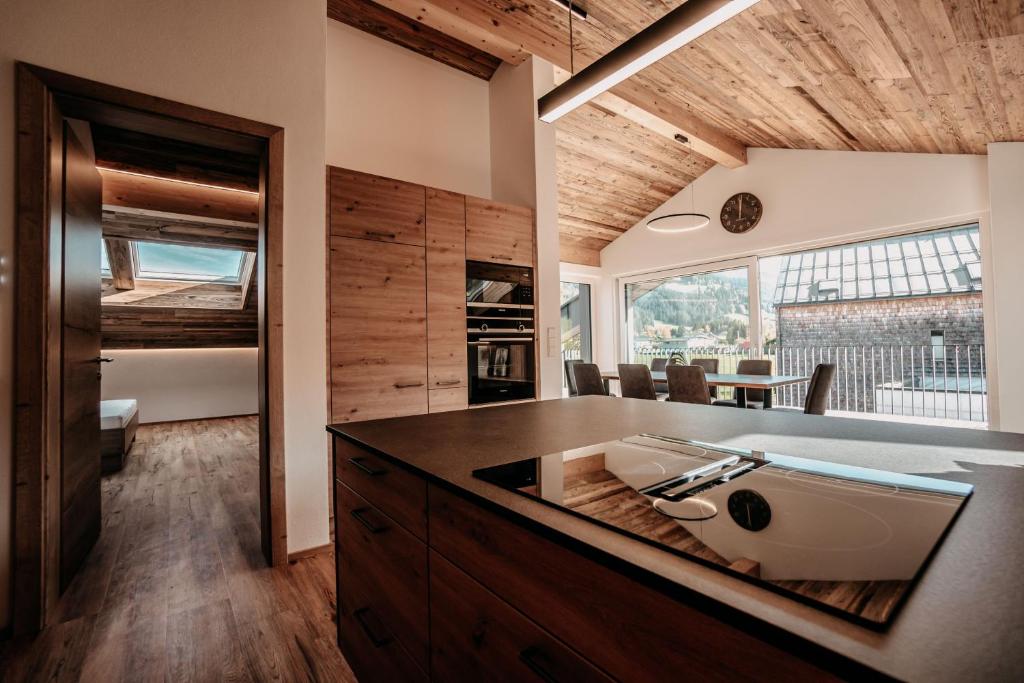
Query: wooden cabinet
<point x="397" y="291"/>
<point x="497" y="232"/>
<point x="377" y="330"/>
<point x="370" y="207"/>
<point x="446" y="289"/>
<point x="476" y="636"/>
<point x="383" y="567"/>
<point x="504" y="603"/>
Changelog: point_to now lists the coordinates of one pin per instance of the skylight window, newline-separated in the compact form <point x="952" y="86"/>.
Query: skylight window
<point x="159" y="261"/>
<point x="104" y="261"/>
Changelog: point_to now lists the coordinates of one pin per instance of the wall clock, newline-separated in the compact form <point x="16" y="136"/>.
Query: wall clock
<point x="749" y="510"/>
<point x="741" y="212"/>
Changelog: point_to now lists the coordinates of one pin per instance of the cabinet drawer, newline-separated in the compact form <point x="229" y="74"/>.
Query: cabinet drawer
<point x="374" y="208"/>
<point x="369" y="646"/>
<point x="500" y="233"/>
<point x="627" y="629"/>
<point x="476" y="636"/>
<point x="383" y="568"/>
<point x="399" y="494"/>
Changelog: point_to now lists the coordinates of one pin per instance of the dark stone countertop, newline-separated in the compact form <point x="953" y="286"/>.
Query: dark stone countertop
<point x="964" y="620"/>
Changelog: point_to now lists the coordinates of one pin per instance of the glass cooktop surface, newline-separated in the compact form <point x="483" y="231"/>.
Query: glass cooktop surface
<point x="848" y="540"/>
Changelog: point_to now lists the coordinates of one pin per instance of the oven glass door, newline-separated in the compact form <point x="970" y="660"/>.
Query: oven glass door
<point x="501" y="370"/>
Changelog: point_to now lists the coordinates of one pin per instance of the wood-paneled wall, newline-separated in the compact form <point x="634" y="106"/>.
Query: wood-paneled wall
<point x="147" y="327"/>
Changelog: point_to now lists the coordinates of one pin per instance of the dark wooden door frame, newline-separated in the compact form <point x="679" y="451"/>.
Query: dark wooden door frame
<point x="41" y="95"/>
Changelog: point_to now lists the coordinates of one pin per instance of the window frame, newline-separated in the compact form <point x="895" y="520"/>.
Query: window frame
<point x="238" y="281"/>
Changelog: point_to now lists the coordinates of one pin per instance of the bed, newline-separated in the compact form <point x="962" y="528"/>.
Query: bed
<point x="118" y="421"/>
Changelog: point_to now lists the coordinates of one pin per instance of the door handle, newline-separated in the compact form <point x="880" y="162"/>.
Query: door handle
<point x="409" y="385"/>
<point x="449" y="383"/>
<point x="101" y="359"/>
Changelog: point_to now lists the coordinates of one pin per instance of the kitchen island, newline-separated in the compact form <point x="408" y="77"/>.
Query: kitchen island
<point x="443" y="575"/>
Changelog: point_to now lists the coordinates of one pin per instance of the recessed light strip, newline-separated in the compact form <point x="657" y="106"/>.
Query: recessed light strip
<point x="674" y="30"/>
<point x="174" y="180"/>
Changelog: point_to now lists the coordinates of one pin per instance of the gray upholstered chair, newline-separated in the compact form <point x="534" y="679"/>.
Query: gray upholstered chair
<point x="659" y="365"/>
<point x="710" y="366"/>
<point x="750" y="366"/>
<point x="635" y="381"/>
<point x="570" y="378"/>
<point x="817" y="392"/>
<point x="687" y="384"/>
<point x="588" y="380"/>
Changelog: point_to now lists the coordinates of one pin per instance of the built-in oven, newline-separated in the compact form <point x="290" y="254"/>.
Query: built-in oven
<point x="500" y="332"/>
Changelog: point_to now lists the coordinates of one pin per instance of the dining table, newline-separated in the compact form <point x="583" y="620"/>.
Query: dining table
<point x="739" y="383"/>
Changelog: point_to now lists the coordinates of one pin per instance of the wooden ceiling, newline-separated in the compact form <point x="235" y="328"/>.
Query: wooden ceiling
<point x="939" y="76"/>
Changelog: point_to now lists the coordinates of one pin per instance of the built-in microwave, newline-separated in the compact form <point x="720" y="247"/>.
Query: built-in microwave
<point x="500" y="332"/>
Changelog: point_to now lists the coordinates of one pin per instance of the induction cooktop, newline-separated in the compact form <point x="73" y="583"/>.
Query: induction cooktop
<point x="848" y="540"/>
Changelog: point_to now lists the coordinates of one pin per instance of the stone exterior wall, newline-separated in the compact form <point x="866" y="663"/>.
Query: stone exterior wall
<point x="881" y="342"/>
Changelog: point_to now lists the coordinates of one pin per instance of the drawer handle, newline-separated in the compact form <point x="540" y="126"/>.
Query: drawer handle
<point x="449" y="382"/>
<point x="530" y="657"/>
<point x="501" y="258"/>
<point x="358" y="464"/>
<point x="388" y="235"/>
<point x="408" y="385"/>
<point x="360" y="517"/>
<point x="376" y="641"/>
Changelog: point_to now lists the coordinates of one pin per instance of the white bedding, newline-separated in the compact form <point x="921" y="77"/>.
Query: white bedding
<point x="117" y="414"/>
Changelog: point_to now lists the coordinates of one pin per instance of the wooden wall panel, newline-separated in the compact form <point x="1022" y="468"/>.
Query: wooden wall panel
<point x="140" y="327"/>
<point x="374" y="208"/>
<point x="498" y="232"/>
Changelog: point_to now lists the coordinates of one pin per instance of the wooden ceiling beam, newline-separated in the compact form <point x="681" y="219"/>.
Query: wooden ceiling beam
<point x="122" y="272"/>
<point x="451" y="22"/>
<point x="149" y="226"/>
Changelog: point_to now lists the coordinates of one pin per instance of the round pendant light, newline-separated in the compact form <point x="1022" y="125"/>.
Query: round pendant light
<point x="681" y="222"/>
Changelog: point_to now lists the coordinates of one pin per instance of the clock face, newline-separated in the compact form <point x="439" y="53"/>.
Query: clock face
<point x="749" y="509"/>
<point x="741" y="212"/>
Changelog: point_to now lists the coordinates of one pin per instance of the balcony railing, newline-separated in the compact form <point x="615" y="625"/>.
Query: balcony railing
<point x="944" y="382"/>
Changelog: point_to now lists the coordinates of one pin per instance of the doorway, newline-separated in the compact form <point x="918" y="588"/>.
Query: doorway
<point x="43" y="382"/>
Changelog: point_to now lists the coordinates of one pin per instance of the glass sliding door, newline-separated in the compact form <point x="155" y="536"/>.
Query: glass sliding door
<point x="690" y="315"/>
<point x="577" y="327"/>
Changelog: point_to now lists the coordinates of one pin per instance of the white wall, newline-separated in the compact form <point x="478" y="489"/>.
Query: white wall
<point x="523" y="173"/>
<point x="184" y="384"/>
<point x="398" y="114"/>
<point x="1006" y="190"/>
<point x="810" y="197"/>
<point x="260" y="59"/>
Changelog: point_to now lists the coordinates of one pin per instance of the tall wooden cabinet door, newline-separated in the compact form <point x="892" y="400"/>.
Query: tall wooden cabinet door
<point x="378" y="324"/>
<point x="446" y="289"/>
<point x="373" y="208"/>
<point x="500" y="233"/>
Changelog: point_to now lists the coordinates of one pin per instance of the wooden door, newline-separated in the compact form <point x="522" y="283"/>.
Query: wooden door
<point x="499" y="233"/>
<point x="80" y="339"/>
<point x="378" y="329"/>
<point x="446" y="297"/>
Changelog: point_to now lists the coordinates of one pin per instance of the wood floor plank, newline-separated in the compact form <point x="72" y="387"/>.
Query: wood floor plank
<point x="177" y="587"/>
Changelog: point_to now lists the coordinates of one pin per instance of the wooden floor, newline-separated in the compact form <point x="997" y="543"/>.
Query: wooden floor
<point x="177" y="588"/>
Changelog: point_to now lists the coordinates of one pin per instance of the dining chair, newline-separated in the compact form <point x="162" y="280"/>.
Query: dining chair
<point x="570" y="378"/>
<point x="817" y="392"/>
<point x="588" y="380"/>
<point x="687" y="384"/>
<point x="635" y="381"/>
<point x="659" y="364"/>
<point x="750" y="366"/>
<point x="710" y="366"/>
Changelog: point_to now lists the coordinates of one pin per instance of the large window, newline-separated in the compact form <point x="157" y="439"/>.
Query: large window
<point x="577" y="332"/>
<point x="689" y="314"/>
<point x="159" y="261"/>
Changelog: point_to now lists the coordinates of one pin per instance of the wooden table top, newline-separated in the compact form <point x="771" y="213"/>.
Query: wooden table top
<point x="726" y="380"/>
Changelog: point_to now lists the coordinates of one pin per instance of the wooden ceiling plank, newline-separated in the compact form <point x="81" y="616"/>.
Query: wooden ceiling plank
<point x="122" y="269"/>
<point x="161" y="194"/>
<point x="184" y="230"/>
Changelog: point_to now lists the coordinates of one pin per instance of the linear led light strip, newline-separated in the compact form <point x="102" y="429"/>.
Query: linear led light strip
<point x="174" y="180"/>
<point x="674" y="30"/>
